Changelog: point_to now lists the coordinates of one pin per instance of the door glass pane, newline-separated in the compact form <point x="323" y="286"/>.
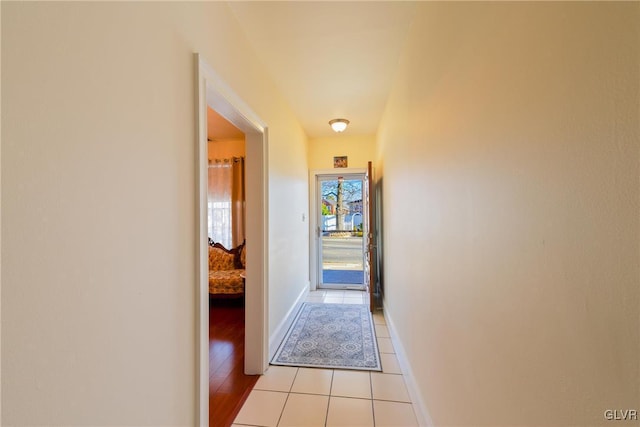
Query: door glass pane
<point x="341" y="232"/>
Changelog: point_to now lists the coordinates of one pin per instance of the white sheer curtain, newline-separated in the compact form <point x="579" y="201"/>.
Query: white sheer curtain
<point x="225" y="201"/>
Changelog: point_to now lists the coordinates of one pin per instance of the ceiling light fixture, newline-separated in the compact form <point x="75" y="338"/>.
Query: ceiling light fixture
<point x="339" y="125"/>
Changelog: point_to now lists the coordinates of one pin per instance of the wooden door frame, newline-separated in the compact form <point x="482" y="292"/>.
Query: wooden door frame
<point x="212" y="91"/>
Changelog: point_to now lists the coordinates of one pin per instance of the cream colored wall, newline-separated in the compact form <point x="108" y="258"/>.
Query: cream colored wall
<point x="511" y="199"/>
<point x="360" y="149"/>
<point x="226" y="148"/>
<point x="98" y="199"/>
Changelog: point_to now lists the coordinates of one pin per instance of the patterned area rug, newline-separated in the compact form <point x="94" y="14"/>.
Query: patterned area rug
<point x="339" y="336"/>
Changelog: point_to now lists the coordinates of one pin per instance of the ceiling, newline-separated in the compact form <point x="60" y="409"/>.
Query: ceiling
<point x="219" y="128"/>
<point x="329" y="59"/>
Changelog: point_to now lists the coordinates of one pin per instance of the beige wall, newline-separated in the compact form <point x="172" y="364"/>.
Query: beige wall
<point x="98" y="199"/>
<point x="510" y="152"/>
<point x="359" y="149"/>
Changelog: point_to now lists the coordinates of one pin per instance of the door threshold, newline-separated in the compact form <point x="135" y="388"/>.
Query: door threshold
<point x="341" y="287"/>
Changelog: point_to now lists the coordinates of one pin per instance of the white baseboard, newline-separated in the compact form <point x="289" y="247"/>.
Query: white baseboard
<point x="420" y="409"/>
<point x="278" y="335"/>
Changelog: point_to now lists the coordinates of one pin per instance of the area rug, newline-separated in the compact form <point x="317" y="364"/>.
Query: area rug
<point x="338" y="336"/>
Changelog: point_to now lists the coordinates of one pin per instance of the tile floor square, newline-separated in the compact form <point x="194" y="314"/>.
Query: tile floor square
<point x="313" y="381"/>
<point x="390" y="364"/>
<point x="277" y="378"/>
<point x="262" y="408"/>
<point x="351" y="384"/>
<point x="389" y="387"/>
<point x="394" y="414"/>
<point x="385" y="346"/>
<point x="303" y="410"/>
<point x="348" y="412"/>
<point x="378" y="319"/>
<point x="382" y="331"/>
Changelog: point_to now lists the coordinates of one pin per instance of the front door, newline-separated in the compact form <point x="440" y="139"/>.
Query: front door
<point x="370" y="266"/>
<point x="342" y="224"/>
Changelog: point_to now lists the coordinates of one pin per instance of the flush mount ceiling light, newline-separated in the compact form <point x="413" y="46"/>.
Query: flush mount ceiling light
<point x="339" y="125"/>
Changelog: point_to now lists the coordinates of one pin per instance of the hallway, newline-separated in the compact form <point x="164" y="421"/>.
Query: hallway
<point x="290" y="396"/>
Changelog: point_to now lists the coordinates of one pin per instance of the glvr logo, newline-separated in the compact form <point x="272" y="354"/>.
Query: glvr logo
<point x="621" y="415"/>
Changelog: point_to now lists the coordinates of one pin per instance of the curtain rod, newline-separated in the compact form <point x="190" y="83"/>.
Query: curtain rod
<point x="228" y="160"/>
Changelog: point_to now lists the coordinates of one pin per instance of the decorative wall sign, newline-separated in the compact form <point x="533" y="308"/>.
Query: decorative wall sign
<point x="340" y="162"/>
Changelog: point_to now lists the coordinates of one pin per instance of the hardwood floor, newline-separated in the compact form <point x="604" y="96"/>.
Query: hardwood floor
<point x="228" y="386"/>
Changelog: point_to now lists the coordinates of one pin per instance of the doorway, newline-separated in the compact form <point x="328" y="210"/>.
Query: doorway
<point x="214" y="93"/>
<point x="348" y="259"/>
<point x="341" y="225"/>
<point x="226" y="217"/>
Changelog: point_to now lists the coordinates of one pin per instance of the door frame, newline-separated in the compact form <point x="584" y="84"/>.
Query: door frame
<point x="212" y="91"/>
<point x="313" y="217"/>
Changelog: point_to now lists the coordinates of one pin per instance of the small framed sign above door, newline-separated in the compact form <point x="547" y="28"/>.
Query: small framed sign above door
<point x="340" y="162"/>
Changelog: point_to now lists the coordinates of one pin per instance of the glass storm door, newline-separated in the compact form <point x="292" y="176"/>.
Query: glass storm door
<point x="342" y="225"/>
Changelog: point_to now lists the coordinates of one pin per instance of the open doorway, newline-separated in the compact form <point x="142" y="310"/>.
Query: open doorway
<point x="213" y="93"/>
<point x="226" y="217"/>
<point x="341" y="221"/>
<point x="343" y="241"/>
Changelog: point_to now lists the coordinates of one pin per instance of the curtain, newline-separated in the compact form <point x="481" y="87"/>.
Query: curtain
<point x="237" y="201"/>
<point x="226" y="201"/>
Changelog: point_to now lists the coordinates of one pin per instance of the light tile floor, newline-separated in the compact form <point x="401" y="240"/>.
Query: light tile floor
<point x="289" y="396"/>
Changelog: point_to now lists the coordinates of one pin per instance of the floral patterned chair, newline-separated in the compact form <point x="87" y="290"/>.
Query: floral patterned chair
<point x="226" y="270"/>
